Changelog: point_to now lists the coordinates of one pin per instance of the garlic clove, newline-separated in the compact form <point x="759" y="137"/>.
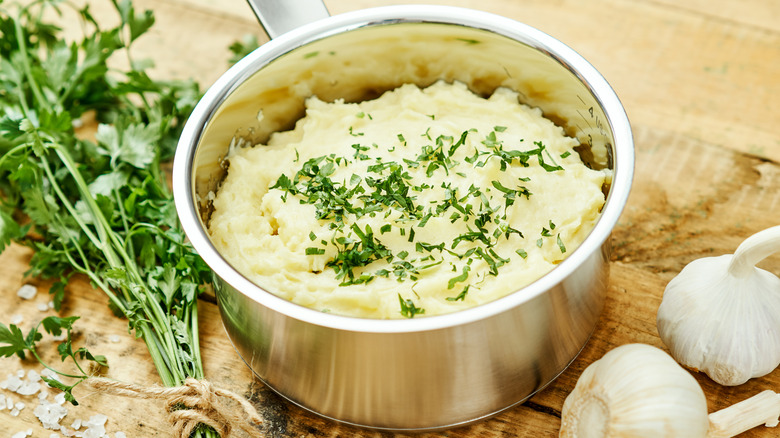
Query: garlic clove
<point x="635" y="391"/>
<point x="721" y="315"/>
<point x="762" y="408"/>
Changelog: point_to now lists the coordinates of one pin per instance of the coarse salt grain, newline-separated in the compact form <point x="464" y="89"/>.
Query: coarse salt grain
<point x="76" y="424"/>
<point x="12" y="383"/>
<point x="16" y="319"/>
<point x="59" y="398"/>
<point x="43" y="307"/>
<point x="22" y="434"/>
<point x="27" y="292"/>
<point x="121" y="435"/>
<point x="61" y="337"/>
<point x="54" y="435"/>
<point x="114" y="338"/>
<point x="51" y="375"/>
<point x="96" y="420"/>
<point x="29" y="388"/>
<point x="95" y="426"/>
<point x="50" y="304"/>
<point x="20" y="373"/>
<point x="48" y="373"/>
<point x="14" y="412"/>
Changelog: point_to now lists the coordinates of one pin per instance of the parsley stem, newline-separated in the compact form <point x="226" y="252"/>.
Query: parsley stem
<point x="98" y="242"/>
<point x="45" y="365"/>
<point x="161" y="362"/>
<point x="193" y="323"/>
<point x="109" y="243"/>
<point x="21" y="39"/>
<point x="93" y="277"/>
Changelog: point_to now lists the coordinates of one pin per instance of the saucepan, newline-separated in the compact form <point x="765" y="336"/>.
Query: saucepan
<point x="427" y="372"/>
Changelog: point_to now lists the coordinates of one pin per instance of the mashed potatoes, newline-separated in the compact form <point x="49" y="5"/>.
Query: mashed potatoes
<point x="418" y="203"/>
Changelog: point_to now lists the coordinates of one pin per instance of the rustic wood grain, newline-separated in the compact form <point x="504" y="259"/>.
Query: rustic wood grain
<point x="699" y="81"/>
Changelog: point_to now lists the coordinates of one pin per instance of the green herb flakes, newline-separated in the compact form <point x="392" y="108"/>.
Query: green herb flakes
<point x="408" y="308"/>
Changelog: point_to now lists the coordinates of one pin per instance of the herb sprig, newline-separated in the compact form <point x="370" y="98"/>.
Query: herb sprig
<point x="102" y="209"/>
<point x="16" y="342"/>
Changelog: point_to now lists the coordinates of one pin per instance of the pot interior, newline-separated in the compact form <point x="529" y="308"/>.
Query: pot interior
<point x="364" y="62"/>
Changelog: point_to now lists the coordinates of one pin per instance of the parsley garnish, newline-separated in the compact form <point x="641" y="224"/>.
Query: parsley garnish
<point x="356" y="253"/>
<point x="464" y="275"/>
<point x="408" y="308"/>
<point x="388" y="189"/>
<point x="561" y="245"/>
<point x="461" y="296"/>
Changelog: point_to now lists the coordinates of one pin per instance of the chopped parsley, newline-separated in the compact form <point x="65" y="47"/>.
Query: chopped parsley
<point x="461" y="296"/>
<point x="408" y="308"/>
<point x="387" y="188"/>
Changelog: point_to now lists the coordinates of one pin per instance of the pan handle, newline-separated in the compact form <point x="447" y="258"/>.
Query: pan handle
<point x="280" y="16"/>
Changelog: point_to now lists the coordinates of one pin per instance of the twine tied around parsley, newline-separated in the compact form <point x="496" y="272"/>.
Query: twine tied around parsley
<point x="192" y="403"/>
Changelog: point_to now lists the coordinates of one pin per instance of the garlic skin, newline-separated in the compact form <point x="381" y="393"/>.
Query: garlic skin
<point x="635" y="390"/>
<point x="721" y="315"/>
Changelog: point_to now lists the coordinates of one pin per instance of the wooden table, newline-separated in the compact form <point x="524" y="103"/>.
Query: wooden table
<point x="700" y="80"/>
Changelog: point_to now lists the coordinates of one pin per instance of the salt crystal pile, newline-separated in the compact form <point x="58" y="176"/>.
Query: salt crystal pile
<point x="15" y="383"/>
<point x="50" y="414"/>
<point x="27" y="292"/>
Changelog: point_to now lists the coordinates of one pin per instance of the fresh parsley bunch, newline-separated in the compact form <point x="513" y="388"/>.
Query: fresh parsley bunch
<point x="99" y="208"/>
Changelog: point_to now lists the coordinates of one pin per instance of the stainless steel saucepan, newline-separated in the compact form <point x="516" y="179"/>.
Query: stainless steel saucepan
<point x="422" y="373"/>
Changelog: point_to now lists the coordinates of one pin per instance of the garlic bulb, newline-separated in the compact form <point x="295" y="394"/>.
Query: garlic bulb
<point x="721" y="315"/>
<point x="637" y="391"/>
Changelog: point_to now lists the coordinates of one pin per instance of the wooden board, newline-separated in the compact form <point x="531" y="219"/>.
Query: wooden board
<point x="699" y="80"/>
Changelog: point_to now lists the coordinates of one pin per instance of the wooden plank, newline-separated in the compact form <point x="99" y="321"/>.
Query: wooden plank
<point x="752" y="13"/>
<point x="698" y="80"/>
